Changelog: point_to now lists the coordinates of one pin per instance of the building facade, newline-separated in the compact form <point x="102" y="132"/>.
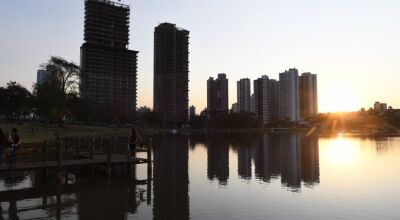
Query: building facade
<point x="261" y="99"/>
<point x="273" y="99"/>
<point x="171" y="74"/>
<point x="243" y="95"/>
<point x="108" y="67"/>
<point x="217" y="93"/>
<point x="289" y="95"/>
<point x="308" y="95"/>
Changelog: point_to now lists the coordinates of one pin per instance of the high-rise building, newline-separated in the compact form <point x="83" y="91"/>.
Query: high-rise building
<point x="217" y="93"/>
<point x="42" y="76"/>
<point x="192" y="111"/>
<point x="252" y="103"/>
<point x="171" y="74"/>
<point x="273" y="99"/>
<point x="261" y="99"/>
<point x="243" y="95"/>
<point x="308" y="95"/>
<point x="108" y="67"/>
<point x="289" y="95"/>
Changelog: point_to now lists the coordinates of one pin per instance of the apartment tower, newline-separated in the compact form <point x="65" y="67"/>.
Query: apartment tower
<point x="217" y="93"/>
<point x="308" y="95"/>
<point x="289" y="95"/>
<point x="171" y="74"/>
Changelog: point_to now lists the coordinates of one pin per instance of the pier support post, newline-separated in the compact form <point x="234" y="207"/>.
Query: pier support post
<point x="110" y="146"/>
<point x="59" y="159"/>
<point x="149" y="163"/>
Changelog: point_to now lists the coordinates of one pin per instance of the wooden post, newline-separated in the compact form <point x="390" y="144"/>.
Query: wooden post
<point x="110" y="146"/>
<point x="45" y="154"/>
<point x="92" y="143"/>
<point x="59" y="159"/>
<point x="77" y="145"/>
<point x="149" y="163"/>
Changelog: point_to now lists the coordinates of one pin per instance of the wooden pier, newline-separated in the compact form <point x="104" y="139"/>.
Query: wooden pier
<point x="66" y="155"/>
<point x="74" y="152"/>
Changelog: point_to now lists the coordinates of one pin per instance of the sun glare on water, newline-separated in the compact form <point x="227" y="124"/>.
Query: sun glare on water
<point x="341" y="151"/>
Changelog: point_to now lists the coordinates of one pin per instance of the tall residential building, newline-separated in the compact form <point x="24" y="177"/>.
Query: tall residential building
<point x="243" y="95"/>
<point x="171" y="73"/>
<point x="217" y="93"/>
<point x="108" y="67"/>
<point x="289" y="95"/>
<point x="308" y="95"/>
<point x="261" y="99"/>
<point x="273" y="100"/>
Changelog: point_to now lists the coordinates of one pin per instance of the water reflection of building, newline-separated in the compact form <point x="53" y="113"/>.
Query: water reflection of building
<point x="107" y="202"/>
<point x="218" y="160"/>
<point x="171" y="179"/>
<point x="310" y="160"/>
<point x="244" y="151"/>
<point x="292" y="156"/>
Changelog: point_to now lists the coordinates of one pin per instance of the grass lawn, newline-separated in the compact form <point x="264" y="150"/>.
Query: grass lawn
<point x="48" y="132"/>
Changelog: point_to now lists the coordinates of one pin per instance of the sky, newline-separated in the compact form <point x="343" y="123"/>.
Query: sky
<point x="352" y="45"/>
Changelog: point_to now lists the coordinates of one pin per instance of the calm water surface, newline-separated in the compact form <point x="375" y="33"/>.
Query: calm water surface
<point x="264" y="176"/>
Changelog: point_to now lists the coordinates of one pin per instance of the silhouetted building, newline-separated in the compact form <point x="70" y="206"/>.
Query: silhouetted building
<point x="41" y="77"/>
<point x="273" y="100"/>
<point x="289" y="95"/>
<point x="308" y="95"/>
<point x="217" y="93"/>
<point x="108" y="68"/>
<point x="380" y="107"/>
<point x="192" y="111"/>
<point x="171" y="73"/>
<point x="243" y="95"/>
<point x="261" y="99"/>
<point x="252" y="103"/>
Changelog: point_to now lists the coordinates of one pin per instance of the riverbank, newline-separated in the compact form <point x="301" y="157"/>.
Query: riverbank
<point x="33" y="133"/>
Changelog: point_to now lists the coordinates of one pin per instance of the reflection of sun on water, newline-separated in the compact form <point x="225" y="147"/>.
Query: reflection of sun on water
<point x="341" y="151"/>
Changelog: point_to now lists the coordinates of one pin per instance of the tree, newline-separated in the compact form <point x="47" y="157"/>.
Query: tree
<point x="63" y="74"/>
<point x="15" y="100"/>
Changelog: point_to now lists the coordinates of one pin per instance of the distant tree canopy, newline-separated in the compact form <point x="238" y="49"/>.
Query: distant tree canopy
<point x="15" y="100"/>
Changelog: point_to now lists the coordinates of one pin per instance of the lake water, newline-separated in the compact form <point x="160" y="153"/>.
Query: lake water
<point x="248" y="176"/>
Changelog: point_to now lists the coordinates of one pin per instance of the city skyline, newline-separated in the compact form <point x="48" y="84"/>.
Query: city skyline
<point x="349" y="42"/>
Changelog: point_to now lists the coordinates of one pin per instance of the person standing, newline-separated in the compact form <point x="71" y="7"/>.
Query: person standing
<point x="133" y="141"/>
<point x="15" y="141"/>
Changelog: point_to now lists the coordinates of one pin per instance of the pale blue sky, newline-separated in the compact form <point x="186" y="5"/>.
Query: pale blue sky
<point x="351" y="44"/>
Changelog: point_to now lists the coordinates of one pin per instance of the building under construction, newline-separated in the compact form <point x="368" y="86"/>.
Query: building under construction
<point x="108" y="68"/>
<point x="171" y="74"/>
